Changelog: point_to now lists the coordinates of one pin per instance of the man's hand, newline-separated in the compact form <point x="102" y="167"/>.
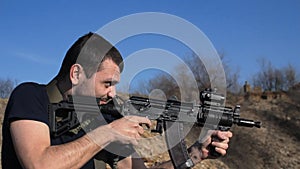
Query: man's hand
<point x="201" y="151"/>
<point x="128" y="129"/>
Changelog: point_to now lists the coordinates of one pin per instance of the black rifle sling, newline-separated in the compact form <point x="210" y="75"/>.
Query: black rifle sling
<point x="176" y="145"/>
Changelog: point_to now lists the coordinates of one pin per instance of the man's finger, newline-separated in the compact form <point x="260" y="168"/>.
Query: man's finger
<point x="220" y="145"/>
<point x="139" y="120"/>
<point x="224" y="134"/>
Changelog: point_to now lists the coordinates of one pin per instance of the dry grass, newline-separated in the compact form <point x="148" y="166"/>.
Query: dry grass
<point x="3" y="103"/>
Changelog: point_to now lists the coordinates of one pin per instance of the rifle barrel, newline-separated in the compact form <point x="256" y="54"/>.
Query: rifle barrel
<point x="248" y="123"/>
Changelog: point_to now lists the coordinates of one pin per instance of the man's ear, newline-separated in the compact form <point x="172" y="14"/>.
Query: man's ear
<point x="76" y="73"/>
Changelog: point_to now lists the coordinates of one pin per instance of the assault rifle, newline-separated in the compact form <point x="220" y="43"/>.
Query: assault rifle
<point x="170" y="115"/>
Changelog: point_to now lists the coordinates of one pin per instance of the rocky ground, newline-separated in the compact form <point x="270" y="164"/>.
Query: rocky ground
<point x="275" y="145"/>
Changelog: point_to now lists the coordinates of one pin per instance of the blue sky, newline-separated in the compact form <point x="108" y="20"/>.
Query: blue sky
<point x="36" y="34"/>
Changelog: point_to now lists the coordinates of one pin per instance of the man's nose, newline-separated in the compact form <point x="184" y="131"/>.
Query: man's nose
<point x="112" y="92"/>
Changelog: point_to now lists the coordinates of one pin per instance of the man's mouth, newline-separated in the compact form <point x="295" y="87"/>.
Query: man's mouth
<point x="104" y="100"/>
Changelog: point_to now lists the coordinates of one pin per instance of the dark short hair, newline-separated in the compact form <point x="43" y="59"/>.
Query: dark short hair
<point x="89" y="51"/>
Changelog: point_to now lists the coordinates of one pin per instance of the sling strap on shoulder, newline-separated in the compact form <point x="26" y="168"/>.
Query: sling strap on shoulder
<point x="53" y="92"/>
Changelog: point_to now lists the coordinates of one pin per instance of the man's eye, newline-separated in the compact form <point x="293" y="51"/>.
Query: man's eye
<point x="108" y="84"/>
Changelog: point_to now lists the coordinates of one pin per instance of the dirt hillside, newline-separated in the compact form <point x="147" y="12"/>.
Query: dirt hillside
<point x="276" y="144"/>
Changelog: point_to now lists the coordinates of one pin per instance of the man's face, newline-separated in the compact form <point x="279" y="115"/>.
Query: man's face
<point x="103" y="83"/>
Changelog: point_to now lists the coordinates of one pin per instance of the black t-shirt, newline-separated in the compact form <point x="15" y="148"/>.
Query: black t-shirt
<point x="29" y="101"/>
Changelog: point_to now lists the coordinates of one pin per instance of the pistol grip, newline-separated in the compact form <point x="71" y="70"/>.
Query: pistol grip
<point x="212" y="149"/>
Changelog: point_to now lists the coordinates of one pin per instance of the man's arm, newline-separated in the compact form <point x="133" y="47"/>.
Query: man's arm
<point x="32" y="142"/>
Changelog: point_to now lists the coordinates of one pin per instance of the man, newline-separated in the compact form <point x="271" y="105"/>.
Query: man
<point x="91" y="67"/>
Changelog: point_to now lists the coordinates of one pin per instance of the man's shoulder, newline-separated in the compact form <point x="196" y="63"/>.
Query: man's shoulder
<point x="29" y="90"/>
<point x="28" y="86"/>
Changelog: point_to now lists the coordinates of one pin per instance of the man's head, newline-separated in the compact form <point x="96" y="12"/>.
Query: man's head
<point x="89" y="59"/>
<point x="89" y="51"/>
